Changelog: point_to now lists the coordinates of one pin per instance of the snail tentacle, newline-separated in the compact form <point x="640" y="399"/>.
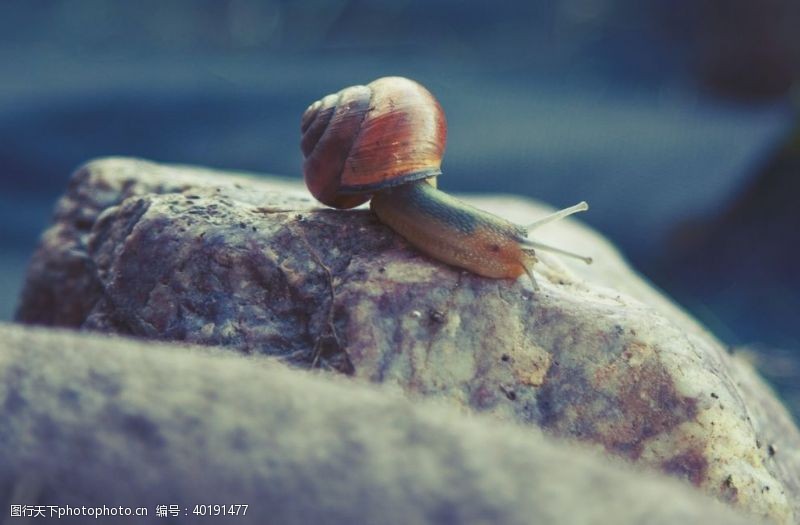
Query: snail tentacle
<point x="560" y="214"/>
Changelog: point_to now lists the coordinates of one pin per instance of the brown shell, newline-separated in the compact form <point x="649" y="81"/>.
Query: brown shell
<point x="365" y="138"/>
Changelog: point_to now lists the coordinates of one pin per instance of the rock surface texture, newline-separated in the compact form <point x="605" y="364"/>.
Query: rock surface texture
<point x="92" y="420"/>
<point x="177" y="253"/>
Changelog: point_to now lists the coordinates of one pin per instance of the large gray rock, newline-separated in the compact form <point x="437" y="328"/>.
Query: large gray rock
<point x="99" y="421"/>
<point x="595" y="354"/>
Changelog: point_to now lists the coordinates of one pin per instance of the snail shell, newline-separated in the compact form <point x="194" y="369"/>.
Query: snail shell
<point x="366" y="138"/>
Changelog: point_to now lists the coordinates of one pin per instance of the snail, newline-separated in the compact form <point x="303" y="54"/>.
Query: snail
<point x="385" y="141"/>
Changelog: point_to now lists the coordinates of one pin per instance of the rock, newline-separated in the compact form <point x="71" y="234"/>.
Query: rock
<point x="97" y="421"/>
<point x="596" y="354"/>
<point x="745" y="249"/>
<point x="750" y="53"/>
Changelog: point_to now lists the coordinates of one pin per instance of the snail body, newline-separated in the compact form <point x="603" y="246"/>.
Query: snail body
<point x="452" y="231"/>
<point x="386" y="141"/>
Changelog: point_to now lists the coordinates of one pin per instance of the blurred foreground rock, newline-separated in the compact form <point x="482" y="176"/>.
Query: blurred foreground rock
<point x="192" y="255"/>
<point x="97" y="421"/>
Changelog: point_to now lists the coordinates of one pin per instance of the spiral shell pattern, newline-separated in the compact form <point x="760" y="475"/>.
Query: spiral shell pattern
<point x="366" y="138"/>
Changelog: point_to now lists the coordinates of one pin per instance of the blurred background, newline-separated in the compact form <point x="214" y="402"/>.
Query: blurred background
<point x="676" y="119"/>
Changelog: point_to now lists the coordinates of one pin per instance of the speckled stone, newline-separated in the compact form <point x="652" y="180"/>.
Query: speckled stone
<point x="178" y="253"/>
